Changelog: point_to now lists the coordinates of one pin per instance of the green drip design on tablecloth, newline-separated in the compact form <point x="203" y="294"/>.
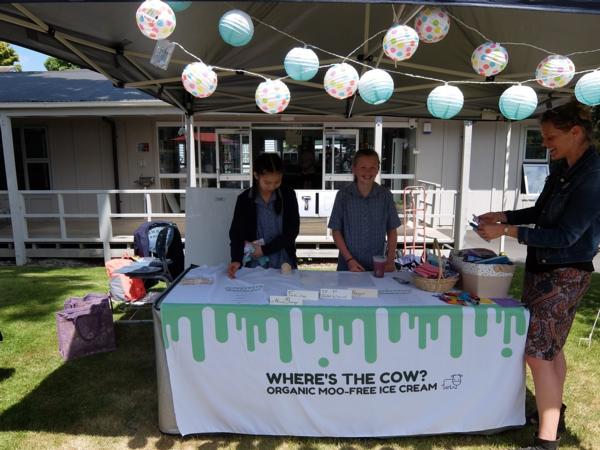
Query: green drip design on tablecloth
<point x="336" y="321"/>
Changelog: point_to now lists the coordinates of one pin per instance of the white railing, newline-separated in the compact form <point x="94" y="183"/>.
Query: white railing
<point x="43" y="209"/>
<point x="52" y="204"/>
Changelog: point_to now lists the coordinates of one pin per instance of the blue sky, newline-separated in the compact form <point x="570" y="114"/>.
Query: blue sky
<point x="30" y="61"/>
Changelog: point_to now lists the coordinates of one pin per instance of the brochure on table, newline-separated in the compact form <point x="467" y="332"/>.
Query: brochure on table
<point x="257" y="286"/>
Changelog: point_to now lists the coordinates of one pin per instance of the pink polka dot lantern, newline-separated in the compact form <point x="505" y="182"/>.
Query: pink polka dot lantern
<point x="432" y="24"/>
<point x="155" y="19"/>
<point x="341" y="81"/>
<point x="489" y="59"/>
<point x="400" y="42"/>
<point x="199" y="80"/>
<point x="272" y="96"/>
<point x="555" y="71"/>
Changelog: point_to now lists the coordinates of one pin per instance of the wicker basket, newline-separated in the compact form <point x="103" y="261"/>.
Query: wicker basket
<point x="439" y="284"/>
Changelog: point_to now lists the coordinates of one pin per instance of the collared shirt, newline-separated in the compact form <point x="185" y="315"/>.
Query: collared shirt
<point x="364" y="222"/>
<point x="269" y="225"/>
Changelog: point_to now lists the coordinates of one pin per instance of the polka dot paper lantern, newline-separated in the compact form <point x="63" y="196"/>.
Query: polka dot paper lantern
<point x="236" y="28"/>
<point x="555" y="71"/>
<point x="432" y="24"/>
<point x="155" y="19"/>
<point x="489" y="59"/>
<point x="587" y="89"/>
<point x="400" y="42"/>
<point x="375" y="86"/>
<point x="301" y="63"/>
<point x="518" y="102"/>
<point x="179" y="6"/>
<point x="272" y="96"/>
<point x="341" y="81"/>
<point x="199" y="79"/>
<point x="444" y="102"/>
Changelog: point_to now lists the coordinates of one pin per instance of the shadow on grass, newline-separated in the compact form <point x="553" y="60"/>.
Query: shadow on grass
<point x="21" y="290"/>
<point x="6" y="373"/>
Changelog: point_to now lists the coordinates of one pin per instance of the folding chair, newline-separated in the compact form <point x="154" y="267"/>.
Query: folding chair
<point x="589" y="338"/>
<point x="161" y="238"/>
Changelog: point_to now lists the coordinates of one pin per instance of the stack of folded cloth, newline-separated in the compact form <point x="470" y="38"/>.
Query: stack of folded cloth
<point x="482" y="256"/>
<point x="427" y="270"/>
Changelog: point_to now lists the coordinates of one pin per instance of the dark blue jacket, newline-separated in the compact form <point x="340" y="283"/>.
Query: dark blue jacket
<point x="566" y="215"/>
<point x="243" y="226"/>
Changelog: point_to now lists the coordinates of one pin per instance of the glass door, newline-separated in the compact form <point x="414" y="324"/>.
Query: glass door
<point x="234" y="158"/>
<point x="340" y="146"/>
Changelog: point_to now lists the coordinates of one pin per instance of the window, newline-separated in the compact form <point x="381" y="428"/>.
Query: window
<point x="534" y="176"/>
<point x="535" y="163"/>
<point x="31" y="150"/>
<point x="534" y="150"/>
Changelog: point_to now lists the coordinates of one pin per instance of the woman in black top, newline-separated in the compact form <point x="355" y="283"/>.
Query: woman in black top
<point x="560" y="249"/>
<point x="266" y="219"/>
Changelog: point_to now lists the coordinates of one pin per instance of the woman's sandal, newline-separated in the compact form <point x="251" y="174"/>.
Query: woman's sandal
<point x="534" y="419"/>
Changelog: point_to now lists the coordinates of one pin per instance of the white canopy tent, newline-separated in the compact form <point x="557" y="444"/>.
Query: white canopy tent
<point x="103" y="36"/>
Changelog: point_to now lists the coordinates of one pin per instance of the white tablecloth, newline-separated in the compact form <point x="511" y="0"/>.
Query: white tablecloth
<point x="404" y="363"/>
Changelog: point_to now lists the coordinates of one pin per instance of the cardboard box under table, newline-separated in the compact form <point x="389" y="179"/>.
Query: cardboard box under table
<point x="228" y="361"/>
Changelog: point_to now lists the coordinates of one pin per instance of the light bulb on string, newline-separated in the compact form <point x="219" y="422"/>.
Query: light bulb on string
<point x="155" y="19"/>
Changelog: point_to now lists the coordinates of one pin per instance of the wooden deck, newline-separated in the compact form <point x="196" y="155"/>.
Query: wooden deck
<point x="82" y="238"/>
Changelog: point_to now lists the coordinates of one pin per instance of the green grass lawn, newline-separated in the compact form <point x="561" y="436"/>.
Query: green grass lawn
<point x="109" y="400"/>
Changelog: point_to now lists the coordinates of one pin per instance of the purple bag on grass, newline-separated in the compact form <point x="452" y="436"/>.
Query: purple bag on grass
<point x="85" y="327"/>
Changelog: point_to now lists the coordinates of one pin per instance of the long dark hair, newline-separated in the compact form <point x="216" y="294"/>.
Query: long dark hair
<point x="268" y="163"/>
<point x="566" y="116"/>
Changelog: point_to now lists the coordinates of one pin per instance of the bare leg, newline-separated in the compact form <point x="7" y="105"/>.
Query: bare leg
<point x="548" y="378"/>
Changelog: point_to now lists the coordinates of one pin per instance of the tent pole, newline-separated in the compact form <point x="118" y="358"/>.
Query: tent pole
<point x="460" y="219"/>
<point x="190" y="145"/>
<point x="505" y="181"/>
<point x="378" y="142"/>
<point x="15" y="200"/>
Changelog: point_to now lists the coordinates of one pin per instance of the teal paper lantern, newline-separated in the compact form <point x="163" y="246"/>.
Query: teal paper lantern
<point x="375" y="86"/>
<point x="301" y="63"/>
<point x="518" y="102"/>
<point x="236" y="28"/>
<point x="587" y="89"/>
<point x="444" y="102"/>
<point x="179" y="6"/>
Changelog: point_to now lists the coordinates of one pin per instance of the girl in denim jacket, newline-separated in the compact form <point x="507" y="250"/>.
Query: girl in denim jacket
<point x="560" y="249"/>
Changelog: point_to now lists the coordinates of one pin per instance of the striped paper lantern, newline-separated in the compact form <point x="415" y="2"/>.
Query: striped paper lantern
<point x="518" y="102"/>
<point x="236" y="28"/>
<point x="375" y="86"/>
<point x="444" y="102"/>
<point x="301" y="63"/>
<point x="587" y="89"/>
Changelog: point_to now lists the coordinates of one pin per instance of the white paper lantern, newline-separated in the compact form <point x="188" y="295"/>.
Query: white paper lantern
<point x="432" y="24"/>
<point x="489" y="59"/>
<point x="400" y="42"/>
<point x="301" y="63"/>
<point x="518" y="102"/>
<point x="155" y="19"/>
<point x="199" y="79"/>
<point x="341" y="81"/>
<point x="375" y="86"/>
<point x="444" y="102"/>
<point x="555" y="71"/>
<point x="236" y="27"/>
<point x="272" y="96"/>
<point x="587" y="89"/>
